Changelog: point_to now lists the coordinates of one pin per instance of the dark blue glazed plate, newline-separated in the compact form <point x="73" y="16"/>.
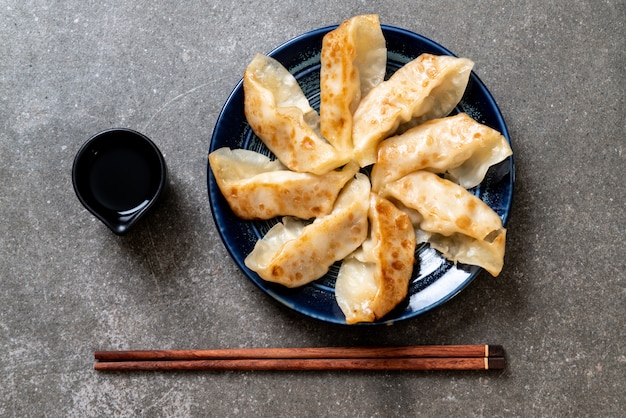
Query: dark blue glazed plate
<point x="435" y="280"/>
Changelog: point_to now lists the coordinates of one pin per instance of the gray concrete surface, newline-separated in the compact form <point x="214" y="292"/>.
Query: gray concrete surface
<point x="69" y="287"/>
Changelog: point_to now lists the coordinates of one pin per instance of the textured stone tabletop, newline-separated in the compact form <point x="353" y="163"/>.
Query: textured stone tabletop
<point x="69" y="287"/>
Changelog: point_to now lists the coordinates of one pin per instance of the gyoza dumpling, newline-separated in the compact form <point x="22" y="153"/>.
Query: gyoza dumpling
<point x="293" y="253"/>
<point x="354" y="58"/>
<point x="280" y="114"/>
<point x="426" y="88"/>
<point x="256" y="187"/>
<point x="455" y="222"/>
<point x="456" y="145"/>
<point x="375" y="278"/>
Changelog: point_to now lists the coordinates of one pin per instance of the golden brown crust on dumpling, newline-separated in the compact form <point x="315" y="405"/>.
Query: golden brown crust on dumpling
<point x="375" y="279"/>
<point x="305" y="253"/>
<point x="257" y="188"/>
<point x="426" y="88"/>
<point x="280" y="115"/>
<point x="461" y="225"/>
<point x="396" y="254"/>
<point x="353" y="60"/>
<point x="456" y="145"/>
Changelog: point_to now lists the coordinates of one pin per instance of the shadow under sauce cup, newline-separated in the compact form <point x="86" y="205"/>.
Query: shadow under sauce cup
<point x="118" y="175"/>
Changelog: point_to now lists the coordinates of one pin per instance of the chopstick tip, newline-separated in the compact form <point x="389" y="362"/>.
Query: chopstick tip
<point x="495" y="363"/>
<point x="496" y="351"/>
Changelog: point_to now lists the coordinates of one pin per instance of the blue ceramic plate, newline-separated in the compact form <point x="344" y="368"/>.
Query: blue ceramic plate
<point x="435" y="280"/>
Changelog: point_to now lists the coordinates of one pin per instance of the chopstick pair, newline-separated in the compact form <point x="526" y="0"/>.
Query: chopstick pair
<point x="427" y="357"/>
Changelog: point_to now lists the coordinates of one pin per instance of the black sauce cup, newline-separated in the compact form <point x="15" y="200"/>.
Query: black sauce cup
<point x="118" y="175"/>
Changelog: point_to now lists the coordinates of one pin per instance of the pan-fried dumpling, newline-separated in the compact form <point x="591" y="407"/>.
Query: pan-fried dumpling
<point x="455" y="222"/>
<point x="375" y="278"/>
<point x="293" y="253"/>
<point x="256" y="187"/>
<point x="353" y="58"/>
<point x="456" y="145"/>
<point x="280" y="114"/>
<point x="428" y="87"/>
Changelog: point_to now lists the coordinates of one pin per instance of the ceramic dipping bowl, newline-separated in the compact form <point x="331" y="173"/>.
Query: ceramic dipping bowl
<point x="118" y="175"/>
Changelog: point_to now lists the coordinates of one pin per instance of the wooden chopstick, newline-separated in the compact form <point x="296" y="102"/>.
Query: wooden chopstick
<point x="478" y="350"/>
<point x="407" y="363"/>
<point x="446" y="357"/>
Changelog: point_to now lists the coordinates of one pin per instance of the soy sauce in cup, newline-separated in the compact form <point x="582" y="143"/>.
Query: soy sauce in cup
<point x="118" y="175"/>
